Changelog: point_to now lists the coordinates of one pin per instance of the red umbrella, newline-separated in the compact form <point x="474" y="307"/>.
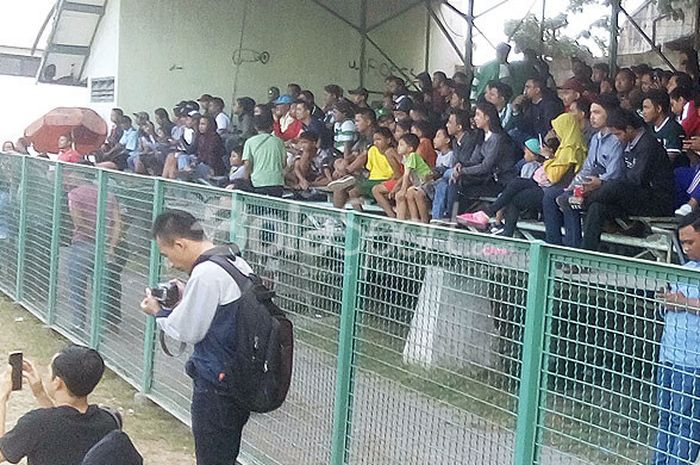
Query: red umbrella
<point x="88" y="129"/>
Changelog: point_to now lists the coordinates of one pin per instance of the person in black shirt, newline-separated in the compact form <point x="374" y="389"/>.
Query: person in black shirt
<point x="67" y="426"/>
<point x="646" y="186"/>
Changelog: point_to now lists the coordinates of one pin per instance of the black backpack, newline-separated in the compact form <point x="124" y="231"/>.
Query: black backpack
<point x="260" y="373"/>
<point x="115" y="448"/>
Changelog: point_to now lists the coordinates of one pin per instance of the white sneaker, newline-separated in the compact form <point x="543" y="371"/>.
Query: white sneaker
<point x="684" y="210"/>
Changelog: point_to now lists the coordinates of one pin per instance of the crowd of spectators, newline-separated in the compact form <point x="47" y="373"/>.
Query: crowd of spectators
<point x="574" y="155"/>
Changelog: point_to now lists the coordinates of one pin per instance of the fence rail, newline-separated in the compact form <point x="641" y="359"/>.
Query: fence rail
<point x="415" y="344"/>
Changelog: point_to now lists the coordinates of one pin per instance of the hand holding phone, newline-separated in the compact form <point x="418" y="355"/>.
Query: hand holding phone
<point x="16" y="360"/>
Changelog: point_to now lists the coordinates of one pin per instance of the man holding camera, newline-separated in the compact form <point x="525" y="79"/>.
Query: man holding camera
<point x="204" y="317"/>
<point x="66" y="426"/>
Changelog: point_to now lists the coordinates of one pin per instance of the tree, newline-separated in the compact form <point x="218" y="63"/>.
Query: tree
<point x="526" y="34"/>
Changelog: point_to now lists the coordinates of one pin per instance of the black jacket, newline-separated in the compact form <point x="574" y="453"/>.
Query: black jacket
<point x="646" y="165"/>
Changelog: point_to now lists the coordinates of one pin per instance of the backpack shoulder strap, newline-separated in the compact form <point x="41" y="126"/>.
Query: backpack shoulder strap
<point x="115" y="415"/>
<point x="225" y="262"/>
<point x="242" y="281"/>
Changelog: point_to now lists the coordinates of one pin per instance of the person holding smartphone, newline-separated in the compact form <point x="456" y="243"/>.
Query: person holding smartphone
<point x="678" y="375"/>
<point x="65" y="426"/>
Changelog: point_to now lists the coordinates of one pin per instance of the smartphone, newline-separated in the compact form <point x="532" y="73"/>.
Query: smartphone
<point x="16" y="360"/>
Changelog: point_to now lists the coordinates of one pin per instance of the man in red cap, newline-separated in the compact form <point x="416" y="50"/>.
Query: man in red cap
<point x="570" y="91"/>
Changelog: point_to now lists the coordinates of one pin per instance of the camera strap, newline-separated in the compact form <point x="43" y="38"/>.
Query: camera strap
<point x="171" y="353"/>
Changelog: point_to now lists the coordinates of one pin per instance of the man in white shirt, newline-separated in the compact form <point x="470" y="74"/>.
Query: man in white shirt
<point x="216" y="111"/>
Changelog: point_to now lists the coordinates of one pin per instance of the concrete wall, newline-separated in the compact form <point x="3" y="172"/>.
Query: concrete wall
<point x="104" y="59"/>
<point x="173" y="49"/>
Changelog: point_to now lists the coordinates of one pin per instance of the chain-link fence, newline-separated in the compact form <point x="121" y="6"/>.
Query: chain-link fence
<point x="414" y="344"/>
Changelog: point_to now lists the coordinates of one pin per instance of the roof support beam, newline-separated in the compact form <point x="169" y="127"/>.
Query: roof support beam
<point x="336" y="15"/>
<point x="444" y="31"/>
<point x="402" y="11"/>
<point x="614" y="31"/>
<point x="363" y="41"/>
<point x="83" y="8"/>
<point x="654" y="46"/>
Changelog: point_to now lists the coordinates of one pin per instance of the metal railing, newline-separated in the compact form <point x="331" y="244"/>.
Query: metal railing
<point x="415" y="344"/>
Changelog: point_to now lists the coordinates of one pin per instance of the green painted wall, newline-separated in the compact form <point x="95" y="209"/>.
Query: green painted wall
<point x="175" y="49"/>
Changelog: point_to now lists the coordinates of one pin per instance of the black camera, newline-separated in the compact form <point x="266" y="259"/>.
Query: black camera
<point x="168" y="294"/>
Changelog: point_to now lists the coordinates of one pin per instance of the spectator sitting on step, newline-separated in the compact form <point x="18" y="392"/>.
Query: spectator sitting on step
<point x="216" y="111"/>
<point x="66" y="152"/>
<point x="286" y="126"/>
<point x="678" y="373"/>
<point x="416" y="172"/>
<point x="581" y="109"/>
<point x="424" y="196"/>
<point x="265" y="158"/>
<point x="314" y="166"/>
<point x="656" y="111"/>
<point x="115" y="131"/>
<point x="304" y="111"/>
<point x="237" y="177"/>
<point x="308" y="96"/>
<point x="344" y="131"/>
<point x="185" y="157"/>
<point x="66" y="426"/>
<point x="683" y="106"/>
<point x="424" y="131"/>
<point x="359" y="97"/>
<point x="534" y="111"/>
<point x="383" y="165"/>
<point x="464" y="140"/>
<point x="499" y="93"/>
<point x="118" y="157"/>
<point x="332" y="95"/>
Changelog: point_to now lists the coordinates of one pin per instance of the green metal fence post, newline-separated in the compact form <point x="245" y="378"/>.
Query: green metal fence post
<point x="346" y="343"/>
<point x="22" y="233"/>
<point x="55" y="243"/>
<point x="153" y="276"/>
<point x="99" y="261"/>
<point x="532" y="359"/>
<point x="236" y="206"/>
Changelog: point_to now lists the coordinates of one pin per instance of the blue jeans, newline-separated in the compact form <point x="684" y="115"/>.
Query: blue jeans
<point x="79" y="266"/>
<point x="554" y="219"/>
<point x="217" y="424"/>
<point x="440" y="200"/>
<point x="678" y="438"/>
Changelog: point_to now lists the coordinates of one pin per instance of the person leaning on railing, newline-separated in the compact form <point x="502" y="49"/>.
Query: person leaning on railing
<point x="678" y="376"/>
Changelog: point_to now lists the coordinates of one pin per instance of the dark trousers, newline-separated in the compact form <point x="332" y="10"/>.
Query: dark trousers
<point x="217" y="425"/>
<point x="553" y="216"/>
<point x="519" y="195"/>
<point x="271" y="191"/>
<point x="469" y="187"/>
<point x="616" y="199"/>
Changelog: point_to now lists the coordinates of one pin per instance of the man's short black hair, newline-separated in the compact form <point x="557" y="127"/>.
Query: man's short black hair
<point x="161" y="113"/>
<point x="425" y="128"/>
<point x="603" y="67"/>
<point x="630" y="74"/>
<point x="308" y="95"/>
<point x="411" y="140"/>
<point x="681" y="91"/>
<point x="346" y="107"/>
<point x="310" y="136"/>
<point x="659" y="98"/>
<point x="80" y="368"/>
<point x="308" y="105"/>
<point x="539" y="82"/>
<point x="126" y="120"/>
<point x="463" y="118"/>
<point x="118" y="111"/>
<point x="622" y="119"/>
<point x="683" y="79"/>
<point x="177" y="224"/>
<point x="503" y="89"/>
<point x="583" y="104"/>
<point x="691" y="219"/>
<point x="405" y="125"/>
<point x="264" y="121"/>
<point x="368" y="115"/>
<point x="335" y="90"/>
<point x="441" y="74"/>
<point x="218" y="101"/>
<point x="294" y="86"/>
<point x="608" y="101"/>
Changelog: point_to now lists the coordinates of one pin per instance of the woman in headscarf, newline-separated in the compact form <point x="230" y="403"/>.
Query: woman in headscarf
<point x="563" y="151"/>
<point x="210" y="150"/>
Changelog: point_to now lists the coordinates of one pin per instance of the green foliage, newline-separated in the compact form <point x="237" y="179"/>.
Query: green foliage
<point x="526" y="34"/>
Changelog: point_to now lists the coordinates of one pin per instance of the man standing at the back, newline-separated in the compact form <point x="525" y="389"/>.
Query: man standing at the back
<point x="264" y="156"/>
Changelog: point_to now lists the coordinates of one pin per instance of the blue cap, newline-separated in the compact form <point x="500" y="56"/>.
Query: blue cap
<point x="533" y="145"/>
<point x="284" y="100"/>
